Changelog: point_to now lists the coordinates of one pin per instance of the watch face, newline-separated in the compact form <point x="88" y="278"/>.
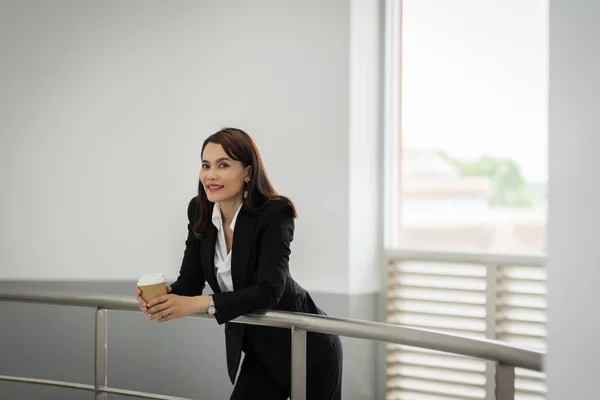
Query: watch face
<point x="211" y="310"/>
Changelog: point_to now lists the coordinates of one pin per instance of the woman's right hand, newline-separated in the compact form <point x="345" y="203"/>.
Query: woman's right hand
<point x="141" y="302"/>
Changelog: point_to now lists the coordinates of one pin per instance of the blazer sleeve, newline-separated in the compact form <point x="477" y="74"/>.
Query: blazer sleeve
<point x="191" y="280"/>
<point x="273" y="258"/>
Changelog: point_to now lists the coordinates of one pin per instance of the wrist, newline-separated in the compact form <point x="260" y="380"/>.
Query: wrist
<point x="202" y="304"/>
<point x="211" y="310"/>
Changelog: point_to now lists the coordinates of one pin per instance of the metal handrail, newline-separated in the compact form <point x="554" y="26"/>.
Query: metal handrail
<point x="508" y="357"/>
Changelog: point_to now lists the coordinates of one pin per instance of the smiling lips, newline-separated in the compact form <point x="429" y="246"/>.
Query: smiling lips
<point x="214" y="188"/>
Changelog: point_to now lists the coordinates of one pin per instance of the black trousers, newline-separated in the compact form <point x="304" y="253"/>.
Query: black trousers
<point x="323" y="379"/>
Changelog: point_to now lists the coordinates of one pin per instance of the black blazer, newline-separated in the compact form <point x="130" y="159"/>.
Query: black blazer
<point x="261" y="280"/>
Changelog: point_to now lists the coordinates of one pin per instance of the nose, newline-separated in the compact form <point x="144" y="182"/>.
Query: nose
<point x="210" y="174"/>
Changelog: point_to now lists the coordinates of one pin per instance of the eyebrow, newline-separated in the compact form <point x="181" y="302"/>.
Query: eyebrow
<point x="220" y="159"/>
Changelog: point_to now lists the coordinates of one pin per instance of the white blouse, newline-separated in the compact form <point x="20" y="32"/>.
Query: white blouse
<point x="222" y="258"/>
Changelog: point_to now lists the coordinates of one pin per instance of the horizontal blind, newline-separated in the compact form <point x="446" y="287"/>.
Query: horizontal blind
<point x="449" y="298"/>
<point x="521" y="321"/>
<point x="452" y="297"/>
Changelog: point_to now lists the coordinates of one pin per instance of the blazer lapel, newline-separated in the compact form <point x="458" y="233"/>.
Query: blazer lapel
<point x="243" y="238"/>
<point x="208" y="257"/>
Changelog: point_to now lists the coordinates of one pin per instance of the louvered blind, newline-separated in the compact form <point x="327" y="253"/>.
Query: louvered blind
<point x="496" y="301"/>
<point x="521" y="320"/>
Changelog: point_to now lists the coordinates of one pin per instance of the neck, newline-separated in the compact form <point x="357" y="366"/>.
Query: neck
<point x="228" y="209"/>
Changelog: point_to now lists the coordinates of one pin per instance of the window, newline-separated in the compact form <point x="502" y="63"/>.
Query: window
<point x="472" y="84"/>
<point x="474" y="125"/>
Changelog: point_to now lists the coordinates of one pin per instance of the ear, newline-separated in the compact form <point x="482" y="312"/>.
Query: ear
<point x="248" y="173"/>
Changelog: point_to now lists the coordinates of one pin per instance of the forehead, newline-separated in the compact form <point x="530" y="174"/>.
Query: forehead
<point x="213" y="151"/>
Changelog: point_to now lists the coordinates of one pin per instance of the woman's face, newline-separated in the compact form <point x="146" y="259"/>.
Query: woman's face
<point x="222" y="177"/>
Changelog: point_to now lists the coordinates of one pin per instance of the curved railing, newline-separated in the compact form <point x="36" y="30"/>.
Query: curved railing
<point x="507" y="357"/>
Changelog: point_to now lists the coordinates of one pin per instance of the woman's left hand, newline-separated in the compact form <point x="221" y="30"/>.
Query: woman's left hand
<point x="171" y="306"/>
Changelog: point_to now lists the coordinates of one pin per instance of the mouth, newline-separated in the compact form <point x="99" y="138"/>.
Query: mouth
<point x="214" y="188"/>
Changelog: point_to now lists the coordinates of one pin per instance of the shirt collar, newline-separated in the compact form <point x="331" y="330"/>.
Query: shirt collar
<point x="217" y="218"/>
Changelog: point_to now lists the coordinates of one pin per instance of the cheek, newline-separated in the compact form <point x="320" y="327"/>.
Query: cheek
<point x="231" y="179"/>
<point x="234" y="184"/>
<point x="203" y="177"/>
<point x="234" y="187"/>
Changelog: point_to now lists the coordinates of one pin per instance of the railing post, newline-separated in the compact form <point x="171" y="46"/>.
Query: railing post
<point x="491" y="318"/>
<point x="505" y="382"/>
<point x="298" y="364"/>
<point x="100" y="354"/>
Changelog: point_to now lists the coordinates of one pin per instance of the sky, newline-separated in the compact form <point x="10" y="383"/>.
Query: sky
<point x="475" y="79"/>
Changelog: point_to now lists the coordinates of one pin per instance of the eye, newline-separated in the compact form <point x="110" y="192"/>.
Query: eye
<point x="223" y="165"/>
<point x="205" y="166"/>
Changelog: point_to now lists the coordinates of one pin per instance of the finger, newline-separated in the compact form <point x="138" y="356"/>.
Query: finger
<point x="169" y="289"/>
<point x="141" y="301"/>
<point x="158" y="300"/>
<point x="167" y="318"/>
<point x="143" y="308"/>
<point x="161" y="314"/>
<point x="138" y="290"/>
<point x="159" y="307"/>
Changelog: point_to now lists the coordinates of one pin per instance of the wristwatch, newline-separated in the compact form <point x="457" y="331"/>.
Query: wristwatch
<point x="211" y="306"/>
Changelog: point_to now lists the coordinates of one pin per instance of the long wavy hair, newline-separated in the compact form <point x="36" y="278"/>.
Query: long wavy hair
<point x="239" y="146"/>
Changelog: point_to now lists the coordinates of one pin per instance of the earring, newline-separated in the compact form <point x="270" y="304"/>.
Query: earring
<point x="245" y="190"/>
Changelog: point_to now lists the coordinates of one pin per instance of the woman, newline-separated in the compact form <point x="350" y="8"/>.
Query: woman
<point x="238" y="241"/>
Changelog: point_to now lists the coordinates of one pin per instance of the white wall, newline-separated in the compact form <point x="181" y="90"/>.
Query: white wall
<point x="104" y="107"/>
<point x="365" y="140"/>
<point x="573" y="272"/>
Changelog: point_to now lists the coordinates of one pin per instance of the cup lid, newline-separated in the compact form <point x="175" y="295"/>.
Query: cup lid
<point x="151" y="279"/>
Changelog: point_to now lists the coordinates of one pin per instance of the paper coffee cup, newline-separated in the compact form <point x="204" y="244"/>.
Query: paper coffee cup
<point x="152" y="286"/>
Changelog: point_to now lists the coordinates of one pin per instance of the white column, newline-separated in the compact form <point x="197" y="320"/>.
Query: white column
<point x="365" y="240"/>
<point x="574" y="217"/>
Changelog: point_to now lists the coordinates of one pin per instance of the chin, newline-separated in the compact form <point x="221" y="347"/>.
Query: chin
<point x="212" y="198"/>
<point x="217" y="197"/>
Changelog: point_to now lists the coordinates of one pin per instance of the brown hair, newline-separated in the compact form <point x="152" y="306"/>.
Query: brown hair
<point x="240" y="147"/>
